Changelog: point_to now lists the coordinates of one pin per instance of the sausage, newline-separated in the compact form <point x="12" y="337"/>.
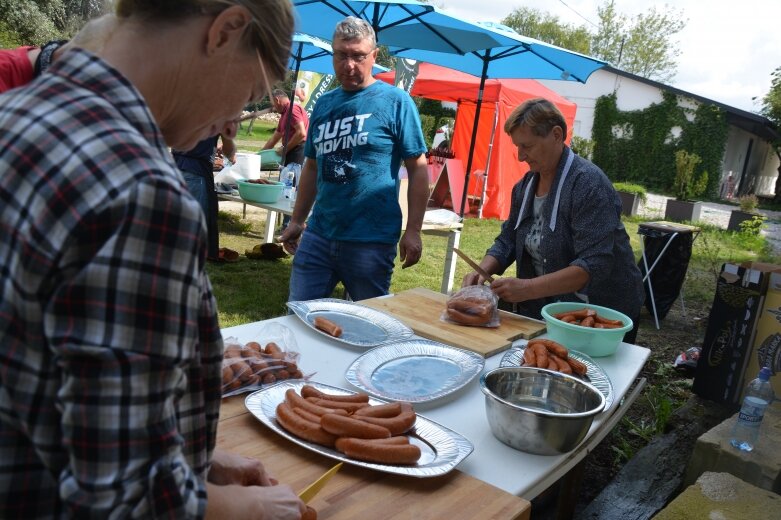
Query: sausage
<point x="309" y="514"/>
<point x="552" y="365"/>
<point x="578" y="314"/>
<point x="309" y="416"/>
<point x="467" y="319"/>
<point x="469" y="307"/>
<point x="605" y="321"/>
<point x="598" y="325"/>
<point x="300" y="427"/>
<point x="342" y="426"/>
<point x="336" y="405"/>
<point x="552" y="346"/>
<point x="396" y="425"/>
<point x="577" y="367"/>
<point x="273" y="350"/>
<point x="382" y="410"/>
<point x="311" y="391"/>
<point x="561" y="364"/>
<point x="541" y="353"/>
<point x="568" y="318"/>
<point x="296" y="401"/>
<point x="383" y="453"/>
<point x="529" y="357"/>
<point x="587" y="322"/>
<point x="327" y="326"/>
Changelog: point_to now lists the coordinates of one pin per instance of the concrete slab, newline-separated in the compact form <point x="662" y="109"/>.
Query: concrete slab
<point x="761" y="467"/>
<point x="721" y="496"/>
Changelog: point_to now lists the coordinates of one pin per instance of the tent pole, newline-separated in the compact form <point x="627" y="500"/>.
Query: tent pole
<point x="488" y="161"/>
<point x="289" y="114"/>
<point x="474" y="135"/>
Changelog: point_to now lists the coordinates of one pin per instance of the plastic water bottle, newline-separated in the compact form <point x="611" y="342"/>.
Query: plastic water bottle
<point x="288" y="176"/>
<point x="759" y="394"/>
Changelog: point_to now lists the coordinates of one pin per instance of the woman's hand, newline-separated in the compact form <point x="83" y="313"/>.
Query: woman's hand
<point x="229" y="468"/>
<point x="472" y="278"/>
<point x="512" y="290"/>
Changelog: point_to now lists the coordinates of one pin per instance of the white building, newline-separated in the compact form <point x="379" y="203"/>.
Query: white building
<point x="747" y="155"/>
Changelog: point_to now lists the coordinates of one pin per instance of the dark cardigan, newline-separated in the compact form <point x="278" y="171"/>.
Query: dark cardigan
<point x="586" y="231"/>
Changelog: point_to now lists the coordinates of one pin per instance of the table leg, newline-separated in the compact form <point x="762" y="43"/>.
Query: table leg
<point x="271" y="220"/>
<point x="453" y="241"/>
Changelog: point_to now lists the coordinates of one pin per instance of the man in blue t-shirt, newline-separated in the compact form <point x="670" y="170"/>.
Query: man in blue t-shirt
<point x="358" y="137"/>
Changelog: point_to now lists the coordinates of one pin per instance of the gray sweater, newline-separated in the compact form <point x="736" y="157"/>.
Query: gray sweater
<point x="583" y="228"/>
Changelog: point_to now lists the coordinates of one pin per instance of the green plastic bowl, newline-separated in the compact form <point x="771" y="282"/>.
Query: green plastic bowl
<point x="263" y="193"/>
<point x="592" y="342"/>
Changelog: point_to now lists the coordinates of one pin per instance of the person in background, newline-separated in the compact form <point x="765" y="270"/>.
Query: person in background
<point x="290" y="133"/>
<point x="19" y="66"/>
<point x="109" y="339"/>
<point x="564" y="232"/>
<point x="291" y="130"/>
<point x="359" y="135"/>
<point x="197" y="166"/>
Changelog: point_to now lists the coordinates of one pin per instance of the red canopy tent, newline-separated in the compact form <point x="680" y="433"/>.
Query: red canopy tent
<point x="435" y="82"/>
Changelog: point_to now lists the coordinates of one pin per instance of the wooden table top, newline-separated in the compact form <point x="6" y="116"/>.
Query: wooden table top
<point x="359" y="493"/>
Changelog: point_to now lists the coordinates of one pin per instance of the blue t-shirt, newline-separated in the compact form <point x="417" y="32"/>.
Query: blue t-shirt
<point x="359" y="140"/>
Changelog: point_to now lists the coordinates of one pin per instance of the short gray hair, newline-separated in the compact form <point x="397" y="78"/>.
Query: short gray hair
<point x="353" y="28"/>
<point x="279" y="93"/>
<point x="539" y="114"/>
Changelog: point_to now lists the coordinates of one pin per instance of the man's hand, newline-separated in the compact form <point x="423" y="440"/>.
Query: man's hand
<point x="410" y="248"/>
<point x="229" y="468"/>
<point x="291" y="237"/>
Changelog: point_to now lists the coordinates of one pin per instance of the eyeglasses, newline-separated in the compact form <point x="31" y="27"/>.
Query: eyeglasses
<point x="357" y="58"/>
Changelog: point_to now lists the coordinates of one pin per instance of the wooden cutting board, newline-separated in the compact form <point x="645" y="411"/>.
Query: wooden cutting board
<point x="420" y="310"/>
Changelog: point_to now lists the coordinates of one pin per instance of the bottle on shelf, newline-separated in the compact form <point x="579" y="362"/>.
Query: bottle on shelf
<point x="759" y="394"/>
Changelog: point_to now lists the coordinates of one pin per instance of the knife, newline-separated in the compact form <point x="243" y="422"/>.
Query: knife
<point x="482" y="272"/>
<point x="312" y="489"/>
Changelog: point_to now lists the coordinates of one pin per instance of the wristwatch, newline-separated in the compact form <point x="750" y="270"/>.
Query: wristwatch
<point x="44" y="59"/>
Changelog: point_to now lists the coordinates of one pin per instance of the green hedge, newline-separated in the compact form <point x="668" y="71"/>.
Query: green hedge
<point x="639" y="146"/>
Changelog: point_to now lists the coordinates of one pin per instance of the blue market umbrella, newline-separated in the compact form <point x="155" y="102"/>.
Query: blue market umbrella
<point x="398" y="23"/>
<point x="521" y="58"/>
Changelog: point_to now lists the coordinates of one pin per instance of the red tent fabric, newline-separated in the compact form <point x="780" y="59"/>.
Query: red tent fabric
<point x="435" y="82"/>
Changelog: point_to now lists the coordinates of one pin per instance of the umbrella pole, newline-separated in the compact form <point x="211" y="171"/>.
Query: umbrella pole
<point x="289" y="114"/>
<point x="474" y="137"/>
<point x="488" y="161"/>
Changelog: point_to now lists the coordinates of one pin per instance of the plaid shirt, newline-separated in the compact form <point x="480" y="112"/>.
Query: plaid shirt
<point x="110" y="349"/>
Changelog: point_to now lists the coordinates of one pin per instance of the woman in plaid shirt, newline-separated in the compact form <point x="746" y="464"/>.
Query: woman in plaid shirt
<point x="110" y="350"/>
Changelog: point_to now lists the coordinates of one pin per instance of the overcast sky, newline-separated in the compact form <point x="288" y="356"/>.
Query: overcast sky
<point x="728" y="48"/>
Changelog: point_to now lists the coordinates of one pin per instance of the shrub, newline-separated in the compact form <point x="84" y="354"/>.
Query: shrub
<point x="686" y="186"/>
<point x="748" y="203"/>
<point x="634" y="189"/>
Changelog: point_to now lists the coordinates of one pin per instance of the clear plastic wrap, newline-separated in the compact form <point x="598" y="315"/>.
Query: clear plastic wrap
<point x="474" y="306"/>
<point x="273" y="357"/>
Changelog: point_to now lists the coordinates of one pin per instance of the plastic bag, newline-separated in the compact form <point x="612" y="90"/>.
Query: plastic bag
<point x="246" y="367"/>
<point x="474" y="306"/>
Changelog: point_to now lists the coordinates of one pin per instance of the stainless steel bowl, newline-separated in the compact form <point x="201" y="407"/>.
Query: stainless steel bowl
<point x="539" y="411"/>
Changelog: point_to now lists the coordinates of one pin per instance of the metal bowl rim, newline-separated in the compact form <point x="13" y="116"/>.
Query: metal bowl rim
<point x="552" y="373"/>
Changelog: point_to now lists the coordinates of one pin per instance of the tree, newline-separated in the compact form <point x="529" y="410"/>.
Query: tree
<point x="642" y="45"/>
<point x="771" y="109"/>
<point x="548" y="28"/>
<point x="33" y="22"/>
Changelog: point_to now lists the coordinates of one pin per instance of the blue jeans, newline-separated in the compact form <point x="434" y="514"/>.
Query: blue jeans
<point x="365" y="269"/>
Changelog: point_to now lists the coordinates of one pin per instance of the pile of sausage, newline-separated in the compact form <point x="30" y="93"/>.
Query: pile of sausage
<point x="470" y="310"/>
<point x="586" y="317"/>
<point x="545" y="353"/>
<point x="252" y="365"/>
<point x="372" y="433"/>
